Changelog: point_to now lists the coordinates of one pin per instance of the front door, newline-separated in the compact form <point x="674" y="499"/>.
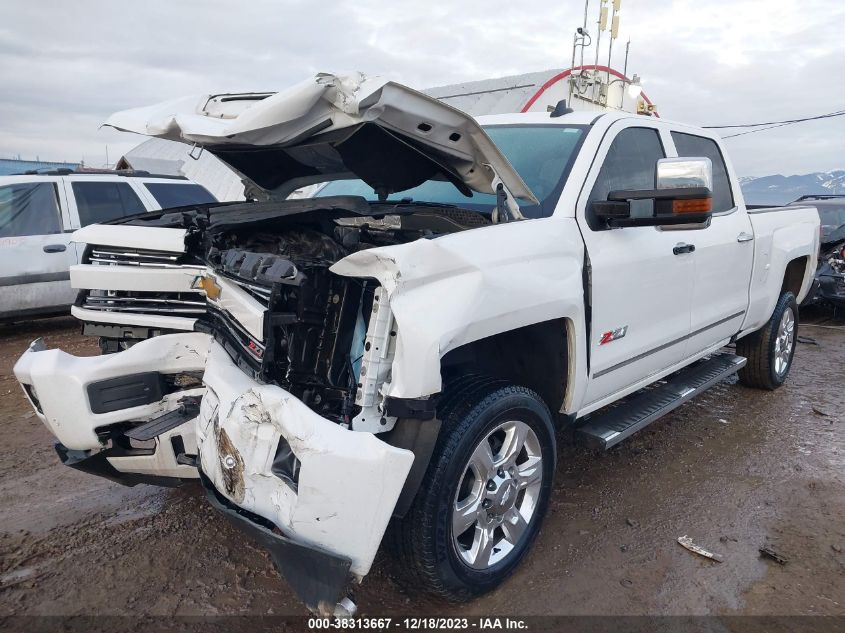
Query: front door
<point x="35" y="249"/>
<point x="641" y="289"/>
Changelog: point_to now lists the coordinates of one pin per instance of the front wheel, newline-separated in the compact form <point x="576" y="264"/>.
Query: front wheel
<point x="485" y="492"/>
<point x="770" y="349"/>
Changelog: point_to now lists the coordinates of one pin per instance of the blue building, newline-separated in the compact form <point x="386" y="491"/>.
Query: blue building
<point x="12" y="166"/>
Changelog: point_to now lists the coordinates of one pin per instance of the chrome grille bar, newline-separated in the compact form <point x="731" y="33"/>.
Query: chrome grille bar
<point x="142" y="309"/>
<point x="155" y="301"/>
<point x="101" y="256"/>
<point x="146" y="302"/>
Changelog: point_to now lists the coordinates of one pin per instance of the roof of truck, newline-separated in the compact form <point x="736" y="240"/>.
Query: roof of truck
<point x="585" y="117"/>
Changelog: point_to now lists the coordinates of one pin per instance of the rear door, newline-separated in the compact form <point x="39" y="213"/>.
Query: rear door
<point x="641" y="291"/>
<point x="35" y="251"/>
<point x="724" y="253"/>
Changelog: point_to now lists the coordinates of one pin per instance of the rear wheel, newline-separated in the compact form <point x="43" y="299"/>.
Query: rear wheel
<point x="770" y="349"/>
<point x="485" y="492"/>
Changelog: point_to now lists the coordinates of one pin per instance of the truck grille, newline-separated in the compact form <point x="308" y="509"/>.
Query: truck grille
<point x="172" y="303"/>
<point x="110" y="256"/>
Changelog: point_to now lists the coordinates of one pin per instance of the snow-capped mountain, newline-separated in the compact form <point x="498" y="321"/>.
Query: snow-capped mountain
<point x="782" y="189"/>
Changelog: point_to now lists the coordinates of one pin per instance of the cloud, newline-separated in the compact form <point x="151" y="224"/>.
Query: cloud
<point x="63" y="72"/>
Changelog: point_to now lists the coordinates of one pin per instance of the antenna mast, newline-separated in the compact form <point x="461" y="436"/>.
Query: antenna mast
<point x="625" y="73"/>
<point x="614" y="32"/>
<point x="580" y="39"/>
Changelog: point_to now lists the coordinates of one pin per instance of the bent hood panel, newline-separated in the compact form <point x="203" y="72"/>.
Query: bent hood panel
<point x="331" y="127"/>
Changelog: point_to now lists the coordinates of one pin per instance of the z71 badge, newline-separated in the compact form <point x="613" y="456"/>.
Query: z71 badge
<point x="613" y="335"/>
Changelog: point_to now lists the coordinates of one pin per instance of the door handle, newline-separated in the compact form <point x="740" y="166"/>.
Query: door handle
<point x="681" y="248"/>
<point x="55" y="248"/>
<point x="744" y="237"/>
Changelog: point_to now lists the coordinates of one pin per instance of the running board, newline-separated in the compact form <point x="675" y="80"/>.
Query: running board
<point x="608" y="429"/>
<point x="189" y="408"/>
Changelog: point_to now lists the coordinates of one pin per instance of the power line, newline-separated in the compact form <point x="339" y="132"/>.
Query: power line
<point x="778" y="123"/>
<point x="758" y="129"/>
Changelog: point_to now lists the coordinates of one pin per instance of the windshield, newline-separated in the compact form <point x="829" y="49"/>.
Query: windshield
<point x="541" y="154"/>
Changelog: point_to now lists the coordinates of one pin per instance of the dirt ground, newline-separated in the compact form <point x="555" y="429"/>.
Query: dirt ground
<point x="735" y="469"/>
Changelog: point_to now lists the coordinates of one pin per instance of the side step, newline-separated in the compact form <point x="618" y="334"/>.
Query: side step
<point x="189" y="408"/>
<point x="608" y="429"/>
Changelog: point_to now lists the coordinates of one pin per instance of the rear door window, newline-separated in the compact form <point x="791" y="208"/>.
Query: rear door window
<point x="169" y="195"/>
<point x="689" y="145"/>
<point x="631" y="163"/>
<point x="29" y="209"/>
<point x="103" y="201"/>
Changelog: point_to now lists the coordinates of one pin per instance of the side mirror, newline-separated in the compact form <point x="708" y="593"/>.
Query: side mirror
<point x="683" y="196"/>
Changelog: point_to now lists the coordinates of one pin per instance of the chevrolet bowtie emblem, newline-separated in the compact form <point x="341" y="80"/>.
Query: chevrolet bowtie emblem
<point x="209" y="285"/>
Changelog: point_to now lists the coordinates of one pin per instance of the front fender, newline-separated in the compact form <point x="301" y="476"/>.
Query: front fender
<point x="459" y="288"/>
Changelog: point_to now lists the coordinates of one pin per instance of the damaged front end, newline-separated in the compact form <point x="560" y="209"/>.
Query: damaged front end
<point x="317" y="495"/>
<point x="128" y="417"/>
<point x="298" y="358"/>
<point x="297" y="378"/>
<point x="829" y="284"/>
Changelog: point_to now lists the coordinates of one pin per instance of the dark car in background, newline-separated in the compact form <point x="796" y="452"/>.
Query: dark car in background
<point x="829" y="285"/>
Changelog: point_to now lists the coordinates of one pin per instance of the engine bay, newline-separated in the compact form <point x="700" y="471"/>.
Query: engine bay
<point x="314" y="322"/>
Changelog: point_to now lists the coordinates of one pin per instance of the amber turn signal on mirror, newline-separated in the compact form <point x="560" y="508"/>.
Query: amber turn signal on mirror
<point x="694" y="205"/>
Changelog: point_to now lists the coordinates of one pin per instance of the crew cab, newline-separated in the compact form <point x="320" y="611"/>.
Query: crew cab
<point x="40" y="210"/>
<point x="399" y="350"/>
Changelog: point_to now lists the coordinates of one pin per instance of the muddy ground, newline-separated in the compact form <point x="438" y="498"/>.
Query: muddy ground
<point x="735" y="469"/>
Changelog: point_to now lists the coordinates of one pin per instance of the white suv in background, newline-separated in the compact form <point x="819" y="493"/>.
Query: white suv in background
<point x="38" y="213"/>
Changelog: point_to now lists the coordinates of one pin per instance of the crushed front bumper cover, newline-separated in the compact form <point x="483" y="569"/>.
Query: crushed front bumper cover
<point x="271" y="463"/>
<point x="318" y="577"/>
<point x="93" y="404"/>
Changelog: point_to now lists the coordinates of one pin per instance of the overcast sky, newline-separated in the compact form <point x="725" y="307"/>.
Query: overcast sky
<point x="65" y="67"/>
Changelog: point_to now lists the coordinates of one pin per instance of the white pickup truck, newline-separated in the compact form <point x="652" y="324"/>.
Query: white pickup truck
<point x="402" y="347"/>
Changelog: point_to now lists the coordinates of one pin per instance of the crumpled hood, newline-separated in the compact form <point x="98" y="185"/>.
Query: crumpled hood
<point x="333" y="127"/>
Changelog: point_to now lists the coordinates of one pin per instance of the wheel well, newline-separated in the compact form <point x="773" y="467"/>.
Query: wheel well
<point x="535" y="356"/>
<point x="794" y="275"/>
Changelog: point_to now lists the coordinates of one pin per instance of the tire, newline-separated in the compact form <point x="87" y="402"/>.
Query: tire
<point x="455" y="567"/>
<point x="768" y="364"/>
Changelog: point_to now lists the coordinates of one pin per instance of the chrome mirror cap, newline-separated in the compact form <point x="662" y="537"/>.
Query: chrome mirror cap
<point x="675" y="173"/>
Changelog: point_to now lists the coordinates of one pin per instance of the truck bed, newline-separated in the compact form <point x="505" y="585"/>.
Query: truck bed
<point x="780" y="236"/>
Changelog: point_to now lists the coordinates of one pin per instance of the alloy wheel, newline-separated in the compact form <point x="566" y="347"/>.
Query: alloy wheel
<point x="784" y="342"/>
<point x="498" y="495"/>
